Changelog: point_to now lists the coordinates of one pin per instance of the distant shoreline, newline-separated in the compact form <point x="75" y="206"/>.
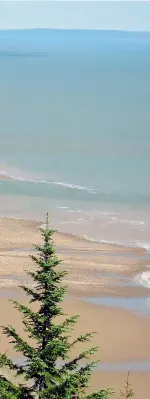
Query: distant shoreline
<point x="101" y="31"/>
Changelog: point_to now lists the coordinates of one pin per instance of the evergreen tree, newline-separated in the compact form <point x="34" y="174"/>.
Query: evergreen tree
<point x="49" y="371"/>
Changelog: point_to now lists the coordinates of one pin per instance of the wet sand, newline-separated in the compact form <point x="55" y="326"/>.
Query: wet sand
<point x="90" y="270"/>
<point x="122" y="335"/>
<point x="140" y="383"/>
<point x="27" y="233"/>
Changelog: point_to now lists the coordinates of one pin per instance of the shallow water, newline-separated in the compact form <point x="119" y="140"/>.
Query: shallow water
<point x="141" y="365"/>
<point x="137" y="304"/>
<point x="10" y="293"/>
<point x="83" y="99"/>
<point x="13" y="277"/>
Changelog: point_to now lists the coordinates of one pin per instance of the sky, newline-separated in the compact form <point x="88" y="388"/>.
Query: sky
<point x="111" y="15"/>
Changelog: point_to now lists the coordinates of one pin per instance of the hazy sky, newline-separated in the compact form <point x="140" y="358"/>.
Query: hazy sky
<point x="124" y="15"/>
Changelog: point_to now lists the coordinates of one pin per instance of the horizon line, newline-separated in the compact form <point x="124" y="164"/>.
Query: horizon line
<point x="74" y="29"/>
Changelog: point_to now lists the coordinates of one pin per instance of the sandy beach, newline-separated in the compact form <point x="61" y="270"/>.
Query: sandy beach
<point x="94" y="270"/>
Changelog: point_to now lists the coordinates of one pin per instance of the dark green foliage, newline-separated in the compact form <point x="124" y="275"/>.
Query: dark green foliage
<point x="10" y="391"/>
<point x="48" y="369"/>
<point x="7" y="389"/>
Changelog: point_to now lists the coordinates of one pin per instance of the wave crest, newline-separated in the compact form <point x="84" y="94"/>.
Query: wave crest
<point x="5" y="176"/>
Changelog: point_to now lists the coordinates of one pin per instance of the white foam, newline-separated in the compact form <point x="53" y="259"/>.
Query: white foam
<point x="62" y="207"/>
<point x="107" y="213"/>
<point x="132" y="222"/>
<point x="116" y="242"/>
<point x="144" y="279"/>
<point x="134" y="244"/>
<point x="75" y="211"/>
<point x="68" y="185"/>
<point x="90" y="239"/>
<point x="145" y="245"/>
<point x="57" y="183"/>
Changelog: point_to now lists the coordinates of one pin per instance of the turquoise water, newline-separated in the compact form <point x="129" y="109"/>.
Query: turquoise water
<point x="75" y="127"/>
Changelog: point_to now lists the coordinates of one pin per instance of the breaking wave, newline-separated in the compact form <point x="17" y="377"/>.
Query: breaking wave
<point x="5" y="176"/>
<point x="144" y="278"/>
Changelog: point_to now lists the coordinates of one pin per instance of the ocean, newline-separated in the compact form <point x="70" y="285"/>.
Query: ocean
<point x="75" y="132"/>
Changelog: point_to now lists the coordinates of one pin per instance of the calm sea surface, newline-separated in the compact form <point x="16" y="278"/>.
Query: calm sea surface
<point x="75" y="131"/>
